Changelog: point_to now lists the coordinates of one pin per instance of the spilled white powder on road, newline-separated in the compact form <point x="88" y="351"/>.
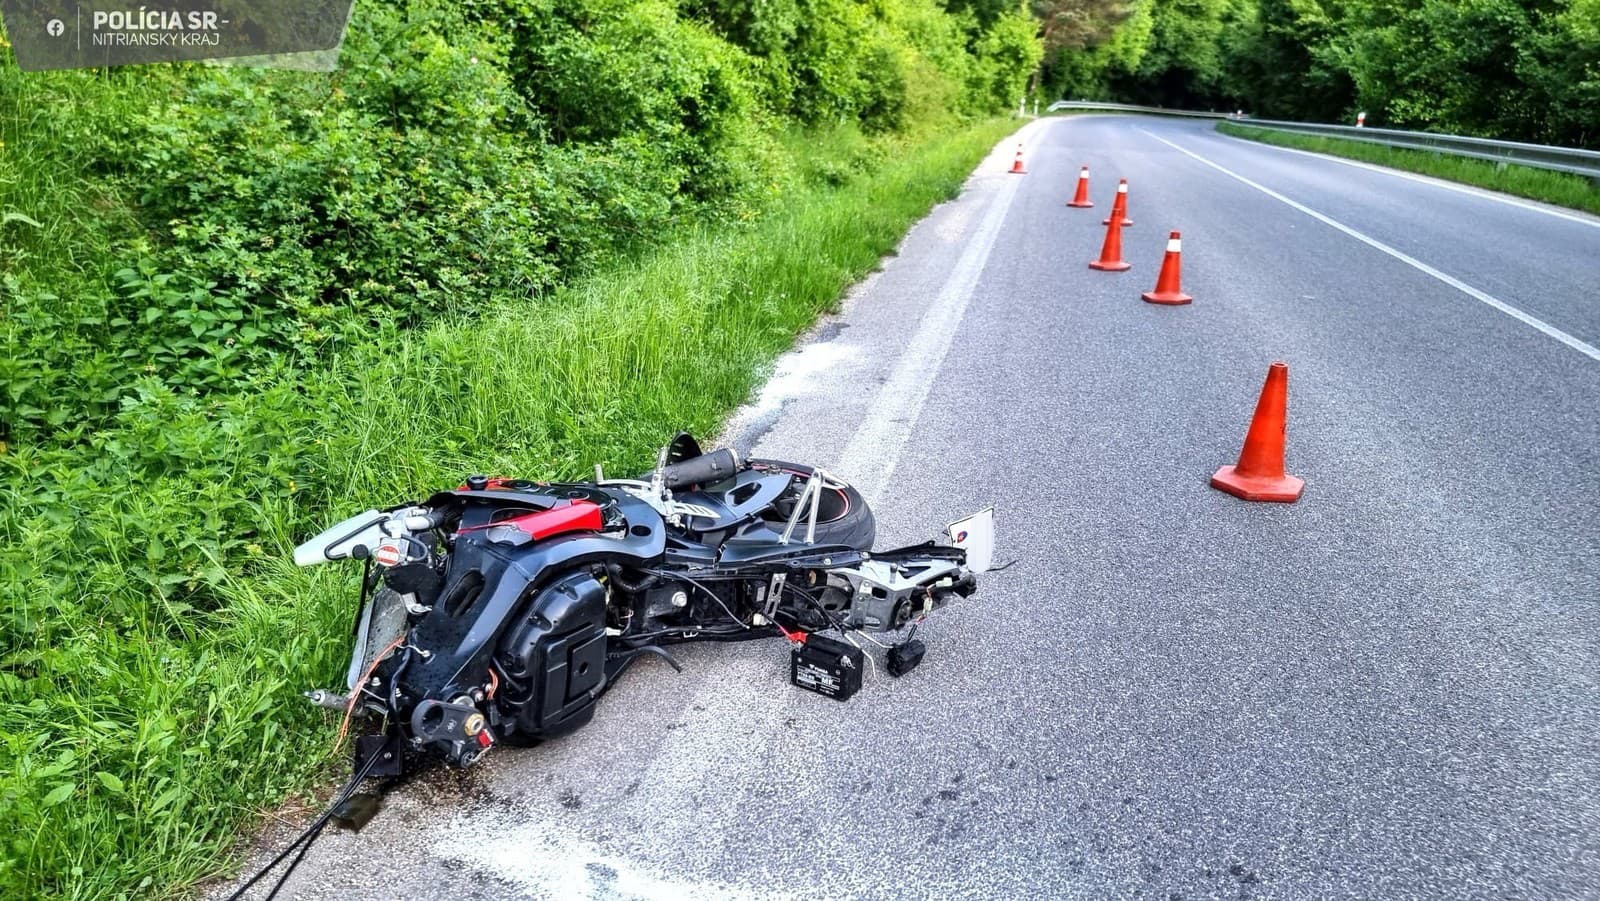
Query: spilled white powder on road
<point x="797" y="374"/>
<point x="535" y="861"/>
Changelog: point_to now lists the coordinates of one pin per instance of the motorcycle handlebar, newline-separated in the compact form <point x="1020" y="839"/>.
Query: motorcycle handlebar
<point x="711" y="467"/>
<point x="422" y="522"/>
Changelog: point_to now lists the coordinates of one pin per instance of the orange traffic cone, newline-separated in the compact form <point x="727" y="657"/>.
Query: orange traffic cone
<point x="1111" y="251"/>
<point x="1259" y="475"/>
<point x="1016" y="165"/>
<point x="1167" y="283"/>
<point x="1119" y="207"/>
<point x="1081" y="199"/>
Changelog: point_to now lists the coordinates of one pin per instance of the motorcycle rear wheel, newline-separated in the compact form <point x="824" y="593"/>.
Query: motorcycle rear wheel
<point x="844" y="517"/>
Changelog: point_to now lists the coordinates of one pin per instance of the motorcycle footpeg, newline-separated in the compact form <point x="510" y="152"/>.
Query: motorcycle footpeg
<point x="322" y="697"/>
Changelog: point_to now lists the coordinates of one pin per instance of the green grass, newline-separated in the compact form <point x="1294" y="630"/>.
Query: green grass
<point x="54" y="121"/>
<point x="149" y="707"/>
<point x="59" y="231"/>
<point x="1559" y="188"/>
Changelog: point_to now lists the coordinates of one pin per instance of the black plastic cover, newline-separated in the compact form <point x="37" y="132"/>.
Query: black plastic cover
<point x="558" y="653"/>
<point x="904" y="657"/>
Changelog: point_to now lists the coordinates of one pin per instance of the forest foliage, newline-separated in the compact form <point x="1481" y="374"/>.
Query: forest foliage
<point x="1515" y="69"/>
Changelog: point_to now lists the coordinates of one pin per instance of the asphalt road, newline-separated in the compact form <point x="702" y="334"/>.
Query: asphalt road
<point x="1386" y="690"/>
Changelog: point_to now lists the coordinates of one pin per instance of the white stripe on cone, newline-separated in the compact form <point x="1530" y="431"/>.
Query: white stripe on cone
<point x="1174" y="245"/>
<point x="1122" y="188"/>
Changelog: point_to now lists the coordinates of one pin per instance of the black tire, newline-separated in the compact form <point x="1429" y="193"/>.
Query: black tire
<point x="844" y="519"/>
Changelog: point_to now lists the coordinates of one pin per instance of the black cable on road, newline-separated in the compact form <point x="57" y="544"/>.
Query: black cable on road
<point x="304" y="839"/>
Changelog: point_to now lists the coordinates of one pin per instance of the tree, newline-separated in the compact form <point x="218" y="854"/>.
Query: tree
<point x="1087" y="41"/>
<point x="1277" y="62"/>
<point x="1560" y="62"/>
<point x="1183" y="63"/>
<point x="1518" y="69"/>
<point x="1078" y="24"/>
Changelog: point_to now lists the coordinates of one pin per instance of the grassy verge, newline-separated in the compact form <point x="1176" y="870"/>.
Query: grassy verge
<point x="140" y="728"/>
<point x="1558" y="188"/>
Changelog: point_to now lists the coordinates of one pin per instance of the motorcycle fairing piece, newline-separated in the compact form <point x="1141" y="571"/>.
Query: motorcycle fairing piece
<point x="501" y="611"/>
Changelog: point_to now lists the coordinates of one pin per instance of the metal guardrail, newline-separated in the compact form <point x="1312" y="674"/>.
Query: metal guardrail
<point x="1130" y="108"/>
<point x="1538" y="156"/>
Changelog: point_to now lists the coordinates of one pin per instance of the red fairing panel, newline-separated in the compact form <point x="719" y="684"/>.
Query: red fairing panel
<point x="578" y="516"/>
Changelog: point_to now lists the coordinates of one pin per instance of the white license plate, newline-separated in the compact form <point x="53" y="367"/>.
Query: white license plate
<point x="975" y="535"/>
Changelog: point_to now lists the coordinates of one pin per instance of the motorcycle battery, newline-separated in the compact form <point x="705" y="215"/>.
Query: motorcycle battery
<point x="827" y="667"/>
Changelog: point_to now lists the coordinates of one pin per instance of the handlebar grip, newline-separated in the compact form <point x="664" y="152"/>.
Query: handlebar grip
<point x="711" y="467"/>
<point x="422" y="522"/>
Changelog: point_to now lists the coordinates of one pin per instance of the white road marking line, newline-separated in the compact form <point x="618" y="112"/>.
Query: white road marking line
<point x="1436" y="182"/>
<point x="1583" y="347"/>
<point x="874" y="450"/>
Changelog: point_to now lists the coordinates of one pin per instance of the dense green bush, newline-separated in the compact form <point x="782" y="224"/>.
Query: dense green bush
<point x="463" y="153"/>
<point x="680" y="99"/>
<point x="1006" y="56"/>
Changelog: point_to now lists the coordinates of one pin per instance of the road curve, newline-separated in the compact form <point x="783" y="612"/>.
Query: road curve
<point x="1388" y="689"/>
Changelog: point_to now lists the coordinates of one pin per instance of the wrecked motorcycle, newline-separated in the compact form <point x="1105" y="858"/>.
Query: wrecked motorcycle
<point x="501" y="611"/>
